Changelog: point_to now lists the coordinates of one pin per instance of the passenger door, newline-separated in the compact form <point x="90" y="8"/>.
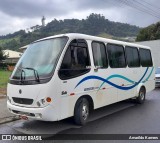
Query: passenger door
<point x="74" y="68"/>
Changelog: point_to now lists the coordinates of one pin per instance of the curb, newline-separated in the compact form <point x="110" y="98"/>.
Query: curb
<point x="8" y="119"/>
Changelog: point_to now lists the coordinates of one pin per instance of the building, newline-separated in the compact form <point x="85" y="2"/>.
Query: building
<point x="155" y="47"/>
<point x="22" y="49"/>
<point x="11" y="56"/>
<point x="128" y="39"/>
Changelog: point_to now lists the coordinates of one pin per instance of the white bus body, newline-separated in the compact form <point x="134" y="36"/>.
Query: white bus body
<point x="68" y="75"/>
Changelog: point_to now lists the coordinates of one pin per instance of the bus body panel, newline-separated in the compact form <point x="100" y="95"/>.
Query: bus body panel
<point x="102" y="85"/>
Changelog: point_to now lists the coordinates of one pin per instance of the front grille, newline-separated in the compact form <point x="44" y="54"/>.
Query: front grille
<point x="157" y="77"/>
<point x="25" y="101"/>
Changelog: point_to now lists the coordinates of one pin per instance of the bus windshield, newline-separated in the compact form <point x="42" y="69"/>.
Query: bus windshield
<point x="158" y="71"/>
<point x="39" y="60"/>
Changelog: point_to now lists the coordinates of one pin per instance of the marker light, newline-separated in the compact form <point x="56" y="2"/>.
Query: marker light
<point x="48" y="99"/>
<point x="43" y="101"/>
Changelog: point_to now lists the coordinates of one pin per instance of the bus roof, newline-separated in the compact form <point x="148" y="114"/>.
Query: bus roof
<point x="94" y="38"/>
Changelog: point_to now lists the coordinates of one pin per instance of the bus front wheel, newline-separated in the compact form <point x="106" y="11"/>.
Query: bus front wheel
<point x="81" y="112"/>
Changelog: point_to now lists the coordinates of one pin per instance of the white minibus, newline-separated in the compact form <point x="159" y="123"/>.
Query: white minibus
<point x="71" y="74"/>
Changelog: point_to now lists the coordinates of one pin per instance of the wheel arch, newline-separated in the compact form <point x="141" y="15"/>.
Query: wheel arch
<point x="89" y="99"/>
<point x="141" y="85"/>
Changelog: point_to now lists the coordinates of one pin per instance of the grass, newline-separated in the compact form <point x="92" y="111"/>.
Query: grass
<point x="4" y="76"/>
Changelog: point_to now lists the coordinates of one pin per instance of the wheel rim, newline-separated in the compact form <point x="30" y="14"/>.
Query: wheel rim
<point x="142" y="94"/>
<point x="85" y="112"/>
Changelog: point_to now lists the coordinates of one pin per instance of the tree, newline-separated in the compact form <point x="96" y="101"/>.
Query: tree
<point x="151" y="32"/>
<point x="2" y="57"/>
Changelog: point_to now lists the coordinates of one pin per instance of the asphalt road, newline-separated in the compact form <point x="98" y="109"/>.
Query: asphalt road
<point x="121" y="118"/>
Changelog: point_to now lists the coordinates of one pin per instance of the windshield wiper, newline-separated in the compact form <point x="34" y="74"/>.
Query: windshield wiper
<point x="35" y="73"/>
<point x="23" y="77"/>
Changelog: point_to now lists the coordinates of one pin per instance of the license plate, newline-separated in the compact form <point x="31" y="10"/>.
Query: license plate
<point x="23" y="117"/>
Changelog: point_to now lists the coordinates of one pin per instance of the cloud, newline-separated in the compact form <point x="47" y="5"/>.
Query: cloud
<point x="10" y="24"/>
<point x="31" y="8"/>
<point x="20" y="14"/>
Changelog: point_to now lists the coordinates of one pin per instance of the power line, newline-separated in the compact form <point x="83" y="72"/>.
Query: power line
<point x="142" y="9"/>
<point x="113" y="2"/>
<point x="154" y="6"/>
<point x="146" y="7"/>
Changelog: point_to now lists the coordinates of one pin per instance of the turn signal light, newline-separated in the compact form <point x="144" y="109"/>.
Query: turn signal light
<point x="48" y="99"/>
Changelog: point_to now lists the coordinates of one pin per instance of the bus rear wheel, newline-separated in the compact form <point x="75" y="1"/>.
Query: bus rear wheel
<point x="81" y="112"/>
<point x="142" y="95"/>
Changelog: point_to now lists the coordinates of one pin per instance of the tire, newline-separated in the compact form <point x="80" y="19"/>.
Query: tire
<point x="81" y="112"/>
<point x="142" y="95"/>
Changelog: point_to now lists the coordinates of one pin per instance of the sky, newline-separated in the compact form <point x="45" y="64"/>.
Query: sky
<point x="23" y="14"/>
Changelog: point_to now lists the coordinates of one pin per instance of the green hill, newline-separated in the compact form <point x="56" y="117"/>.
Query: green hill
<point x="94" y="24"/>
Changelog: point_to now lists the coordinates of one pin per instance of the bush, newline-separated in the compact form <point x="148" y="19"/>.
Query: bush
<point x="3" y="66"/>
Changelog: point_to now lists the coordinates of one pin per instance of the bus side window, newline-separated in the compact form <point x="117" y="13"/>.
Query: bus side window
<point x="145" y="57"/>
<point x="116" y="56"/>
<point x="75" y="60"/>
<point x="99" y="54"/>
<point x="132" y="56"/>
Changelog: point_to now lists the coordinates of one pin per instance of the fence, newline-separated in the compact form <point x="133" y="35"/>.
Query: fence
<point x="4" y="77"/>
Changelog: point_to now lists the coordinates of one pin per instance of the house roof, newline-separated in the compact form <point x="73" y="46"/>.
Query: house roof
<point x="12" y="54"/>
<point x="24" y="47"/>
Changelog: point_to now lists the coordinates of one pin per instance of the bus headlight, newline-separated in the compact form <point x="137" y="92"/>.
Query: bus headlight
<point x="44" y="102"/>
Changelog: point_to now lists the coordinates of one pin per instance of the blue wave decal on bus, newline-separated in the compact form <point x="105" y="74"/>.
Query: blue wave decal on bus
<point x="119" y="76"/>
<point x="125" y="78"/>
<point x="148" y="76"/>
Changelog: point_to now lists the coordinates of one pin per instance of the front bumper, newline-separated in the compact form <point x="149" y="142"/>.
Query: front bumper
<point x="157" y="84"/>
<point x="47" y="113"/>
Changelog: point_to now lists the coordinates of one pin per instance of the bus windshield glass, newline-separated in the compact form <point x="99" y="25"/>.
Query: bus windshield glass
<point x="158" y="71"/>
<point x="39" y="60"/>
